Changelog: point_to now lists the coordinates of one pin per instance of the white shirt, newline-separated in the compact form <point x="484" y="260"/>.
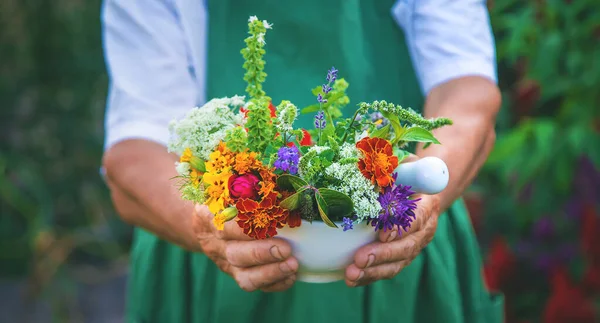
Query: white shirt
<point x="155" y="55"/>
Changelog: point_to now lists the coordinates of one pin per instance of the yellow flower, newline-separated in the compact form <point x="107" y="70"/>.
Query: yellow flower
<point x="227" y="215"/>
<point x="216" y="191"/>
<point x="195" y="177"/>
<point x="187" y="156"/>
<point x="220" y="160"/>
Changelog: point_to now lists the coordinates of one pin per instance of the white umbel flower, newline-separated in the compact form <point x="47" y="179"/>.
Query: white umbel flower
<point x="348" y="150"/>
<point x="357" y="187"/>
<point x="203" y="128"/>
<point x="183" y="169"/>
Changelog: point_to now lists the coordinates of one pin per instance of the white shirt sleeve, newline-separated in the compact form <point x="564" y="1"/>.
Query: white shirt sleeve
<point x="447" y="39"/>
<point x="150" y="70"/>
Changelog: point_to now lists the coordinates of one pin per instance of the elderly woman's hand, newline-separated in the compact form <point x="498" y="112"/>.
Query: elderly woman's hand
<point x="385" y="258"/>
<point x="265" y="265"/>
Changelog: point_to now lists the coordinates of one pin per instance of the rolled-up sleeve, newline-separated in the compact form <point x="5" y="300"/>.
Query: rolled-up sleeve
<point x="150" y="74"/>
<point x="447" y="39"/>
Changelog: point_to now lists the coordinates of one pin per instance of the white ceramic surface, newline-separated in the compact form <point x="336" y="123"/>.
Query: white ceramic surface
<point x="427" y="175"/>
<point x="324" y="252"/>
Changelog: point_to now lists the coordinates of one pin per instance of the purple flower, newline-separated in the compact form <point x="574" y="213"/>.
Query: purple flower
<point x="397" y="208"/>
<point x="331" y="75"/>
<point x="543" y="228"/>
<point x="320" y="120"/>
<point x="321" y="99"/>
<point x="347" y="225"/>
<point x="287" y="159"/>
<point x="326" y="88"/>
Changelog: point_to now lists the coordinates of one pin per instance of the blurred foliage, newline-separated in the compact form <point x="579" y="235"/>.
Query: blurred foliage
<point x="543" y="176"/>
<point x="54" y="207"/>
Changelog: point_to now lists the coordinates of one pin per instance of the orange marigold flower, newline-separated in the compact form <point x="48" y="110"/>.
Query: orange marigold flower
<point x="378" y="162"/>
<point x="267" y="184"/>
<point x="261" y="220"/>
<point x="266" y="188"/>
<point x="244" y="162"/>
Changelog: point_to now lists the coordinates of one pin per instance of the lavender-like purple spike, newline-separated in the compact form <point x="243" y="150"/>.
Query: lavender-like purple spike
<point x="320" y="120"/>
<point x="331" y="75"/>
<point x="321" y="99"/>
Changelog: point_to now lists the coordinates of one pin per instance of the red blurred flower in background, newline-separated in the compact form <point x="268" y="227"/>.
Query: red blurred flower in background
<point x="500" y="266"/>
<point x="567" y="303"/>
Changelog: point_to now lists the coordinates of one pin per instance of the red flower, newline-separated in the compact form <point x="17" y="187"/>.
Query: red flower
<point x="526" y="95"/>
<point x="500" y="265"/>
<point x="378" y="160"/>
<point x="306" y="139"/>
<point x="271" y="108"/>
<point x="244" y="186"/>
<point x="567" y="302"/>
<point x="294" y="219"/>
<point x="591" y="278"/>
<point x="261" y="220"/>
<point x="590" y="229"/>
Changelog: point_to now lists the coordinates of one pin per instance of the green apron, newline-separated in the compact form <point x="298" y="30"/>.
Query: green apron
<point x="360" y="38"/>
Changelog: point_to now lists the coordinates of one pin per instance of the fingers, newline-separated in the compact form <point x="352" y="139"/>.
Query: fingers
<point x="379" y="253"/>
<point x="245" y="254"/>
<point x="232" y="231"/>
<point x="255" y="278"/>
<point x="358" y="277"/>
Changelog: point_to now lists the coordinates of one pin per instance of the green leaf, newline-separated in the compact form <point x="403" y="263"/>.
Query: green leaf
<point x="311" y="108"/>
<point x="417" y="134"/>
<point x="323" y="209"/>
<point x="339" y="204"/>
<point x="382" y="132"/>
<point x="290" y="182"/>
<point x="401" y="153"/>
<point x="395" y="122"/>
<point x="294" y="201"/>
<point x="327" y="155"/>
<point x="329" y="131"/>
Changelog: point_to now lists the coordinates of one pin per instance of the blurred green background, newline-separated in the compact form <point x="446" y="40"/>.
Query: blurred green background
<point x="535" y="205"/>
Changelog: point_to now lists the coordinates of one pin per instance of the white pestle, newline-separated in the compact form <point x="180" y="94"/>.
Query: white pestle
<point x="428" y="175"/>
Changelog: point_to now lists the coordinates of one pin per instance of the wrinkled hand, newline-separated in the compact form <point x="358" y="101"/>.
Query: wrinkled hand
<point x="385" y="258"/>
<point x="264" y="265"/>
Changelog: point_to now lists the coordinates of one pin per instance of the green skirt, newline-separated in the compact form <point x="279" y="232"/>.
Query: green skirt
<point x="443" y="284"/>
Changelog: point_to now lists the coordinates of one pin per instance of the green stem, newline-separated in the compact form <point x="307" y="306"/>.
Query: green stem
<point x="351" y="123"/>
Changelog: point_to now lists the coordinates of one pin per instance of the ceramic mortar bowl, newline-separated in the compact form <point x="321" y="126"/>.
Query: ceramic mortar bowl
<point x="323" y="252"/>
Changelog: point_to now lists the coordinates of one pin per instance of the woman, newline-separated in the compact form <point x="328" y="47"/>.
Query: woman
<point x="166" y="56"/>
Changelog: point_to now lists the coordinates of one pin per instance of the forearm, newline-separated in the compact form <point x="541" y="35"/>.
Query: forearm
<point x="472" y="103"/>
<point x="139" y="174"/>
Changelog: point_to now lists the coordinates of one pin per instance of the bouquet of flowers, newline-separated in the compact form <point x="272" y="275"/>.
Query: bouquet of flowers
<point x="242" y="157"/>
